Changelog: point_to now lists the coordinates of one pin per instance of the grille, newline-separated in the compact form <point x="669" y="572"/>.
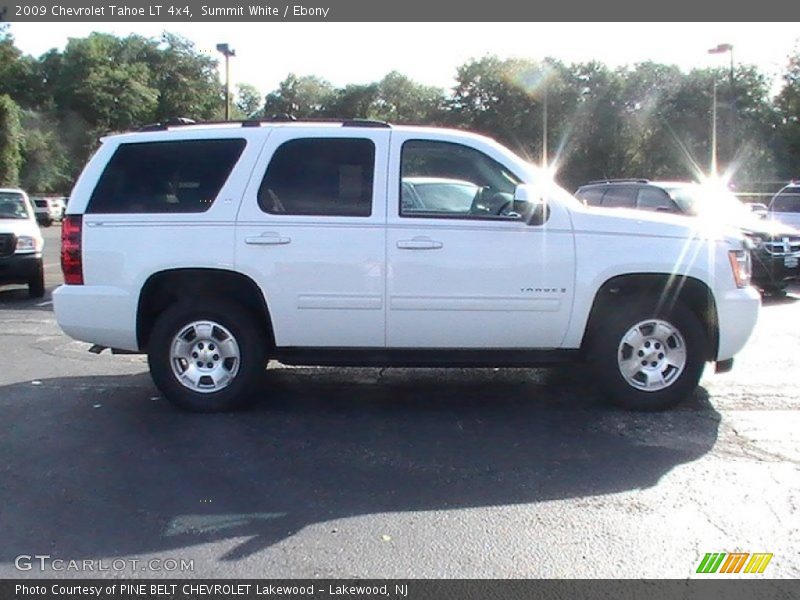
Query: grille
<point x="7" y="244"/>
<point x="783" y="245"/>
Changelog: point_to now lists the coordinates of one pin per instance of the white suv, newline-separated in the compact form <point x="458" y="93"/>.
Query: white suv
<point x="216" y="247"/>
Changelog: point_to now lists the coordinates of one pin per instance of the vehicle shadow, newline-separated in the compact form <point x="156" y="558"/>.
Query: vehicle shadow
<point x="96" y="467"/>
<point x="14" y="297"/>
<point x="791" y="296"/>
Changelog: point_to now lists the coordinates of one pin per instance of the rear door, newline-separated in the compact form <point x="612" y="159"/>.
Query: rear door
<point x="311" y="232"/>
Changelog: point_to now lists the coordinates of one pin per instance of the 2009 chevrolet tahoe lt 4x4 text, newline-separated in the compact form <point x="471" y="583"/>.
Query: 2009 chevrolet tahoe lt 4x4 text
<point x="213" y="248"/>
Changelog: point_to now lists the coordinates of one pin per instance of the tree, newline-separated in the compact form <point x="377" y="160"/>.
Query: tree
<point x="186" y="80"/>
<point x="353" y="102"/>
<point x="400" y="100"/>
<point x="300" y="97"/>
<point x="248" y="101"/>
<point x="788" y="106"/>
<point x="45" y="164"/>
<point x="10" y="141"/>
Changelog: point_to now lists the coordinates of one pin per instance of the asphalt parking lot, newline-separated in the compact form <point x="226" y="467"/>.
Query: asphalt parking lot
<point x="390" y="473"/>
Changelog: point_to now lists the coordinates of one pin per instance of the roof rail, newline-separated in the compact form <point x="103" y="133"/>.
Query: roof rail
<point x="631" y="180"/>
<point x="166" y="123"/>
<point x="182" y="121"/>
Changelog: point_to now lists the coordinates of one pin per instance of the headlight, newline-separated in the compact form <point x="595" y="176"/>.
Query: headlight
<point x="26" y="243"/>
<point x="741" y="266"/>
<point x="753" y="241"/>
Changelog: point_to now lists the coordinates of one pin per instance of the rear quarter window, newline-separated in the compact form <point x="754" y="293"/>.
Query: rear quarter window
<point x="165" y="177"/>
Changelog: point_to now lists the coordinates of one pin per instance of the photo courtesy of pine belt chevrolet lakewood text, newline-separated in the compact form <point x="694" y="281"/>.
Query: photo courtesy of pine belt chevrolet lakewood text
<point x="214" y="248"/>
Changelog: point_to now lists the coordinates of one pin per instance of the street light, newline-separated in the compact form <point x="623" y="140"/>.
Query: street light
<point x="722" y="49"/>
<point x="227" y="52"/>
<point x="719" y="49"/>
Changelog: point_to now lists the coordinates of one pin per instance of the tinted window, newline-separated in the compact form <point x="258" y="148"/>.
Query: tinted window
<point x="620" y="197"/>
<point x="787" y="201"/>
<point x="165" y="177"/>
<point x="320" y="176"/>
<point x="592" y="196"/>
<point x="654" y="199"/>
<point x="446" y="179"/>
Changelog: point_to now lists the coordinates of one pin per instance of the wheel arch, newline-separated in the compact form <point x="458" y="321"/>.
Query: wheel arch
<point x="668" y="289"/>
<point x="164" y="288"/>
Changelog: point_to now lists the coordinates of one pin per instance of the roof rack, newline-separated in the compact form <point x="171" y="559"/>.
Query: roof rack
<point x="183" y="121"/>
<point x="630" y="180"/>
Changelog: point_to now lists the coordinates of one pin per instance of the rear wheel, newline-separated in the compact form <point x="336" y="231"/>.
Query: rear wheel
<point x="648" y="359"/>
<point x="207" y="356"/>
<point x="36" y="287"/>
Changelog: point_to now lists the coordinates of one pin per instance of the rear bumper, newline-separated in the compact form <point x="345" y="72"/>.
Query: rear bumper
<point x="100" y="315"/>
<point x="737" y="311"/>
<point x="20" y="268"/>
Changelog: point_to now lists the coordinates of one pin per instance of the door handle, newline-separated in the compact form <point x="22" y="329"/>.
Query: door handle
<point x="419" y="243"/>
<point x="267" y="239"/>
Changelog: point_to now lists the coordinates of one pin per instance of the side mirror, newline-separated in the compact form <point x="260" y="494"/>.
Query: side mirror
<point x="529" y="203"/>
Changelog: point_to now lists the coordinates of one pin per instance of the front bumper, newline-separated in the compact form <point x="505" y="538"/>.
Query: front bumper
<point x="774" y="270"/>
<point x="20" y="268"/>
<point x="737" y="312"/>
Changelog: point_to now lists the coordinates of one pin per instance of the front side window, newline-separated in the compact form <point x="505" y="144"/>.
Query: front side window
<point x="165" y="177"/>
<point x="13" y="206"/>
<point x="443" y="179"/>
<point x="320" y="176"/>
<point x="653" y="199"/>
<point x="620" y="197"/>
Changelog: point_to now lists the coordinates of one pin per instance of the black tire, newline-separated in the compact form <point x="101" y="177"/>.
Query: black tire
<point x="246" y="331"/>
<point x="36" y="287"/>
<point x="608" y="330"/>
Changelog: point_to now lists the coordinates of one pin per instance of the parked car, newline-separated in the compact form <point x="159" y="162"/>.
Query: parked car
<point x="213" y="248"/>
<point x="757" y="208"/>
<point x="47" y="211"/>
<point x="775" y="246"/>
<point x="21" y="243"/>
<point x="785" y="205"/>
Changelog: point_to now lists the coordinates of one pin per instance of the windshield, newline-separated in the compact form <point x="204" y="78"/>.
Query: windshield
<point x="787" y="200"/>
<point x="708" y="201"/>
<point x="13" y="206"/>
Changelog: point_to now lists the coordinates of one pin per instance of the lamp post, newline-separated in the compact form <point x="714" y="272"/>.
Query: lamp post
<point x="719" y="49"/>
<point x="227" y="52"/>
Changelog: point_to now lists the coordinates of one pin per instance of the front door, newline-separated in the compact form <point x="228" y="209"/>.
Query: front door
<point x="464" y="269"/>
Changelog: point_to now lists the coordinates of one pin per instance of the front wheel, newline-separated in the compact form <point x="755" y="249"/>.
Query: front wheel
<point x="207" y="356"/>
<point x="648" y="359"/>
<point x="36" y="288"/>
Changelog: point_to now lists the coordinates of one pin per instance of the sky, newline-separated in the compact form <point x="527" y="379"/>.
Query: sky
<point x="429" y="53"/>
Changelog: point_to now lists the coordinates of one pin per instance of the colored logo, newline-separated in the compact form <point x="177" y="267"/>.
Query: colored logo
<point x="734" y="562"/>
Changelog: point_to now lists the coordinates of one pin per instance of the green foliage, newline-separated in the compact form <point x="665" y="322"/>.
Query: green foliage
<point x="300" y="97"/>
<point x="644" y="120"/>
<point x="788" y="112"/>
<point x="248" y="104"/>
<point x="45" y="161"/>
<point x="10" y="141"/>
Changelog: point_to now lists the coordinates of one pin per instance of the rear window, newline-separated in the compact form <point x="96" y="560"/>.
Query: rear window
<point x="787" y="200"/>
<point x="165" y="177"/>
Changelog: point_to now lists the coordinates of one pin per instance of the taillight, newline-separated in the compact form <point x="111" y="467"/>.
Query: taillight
<point x="71" y="255"/>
